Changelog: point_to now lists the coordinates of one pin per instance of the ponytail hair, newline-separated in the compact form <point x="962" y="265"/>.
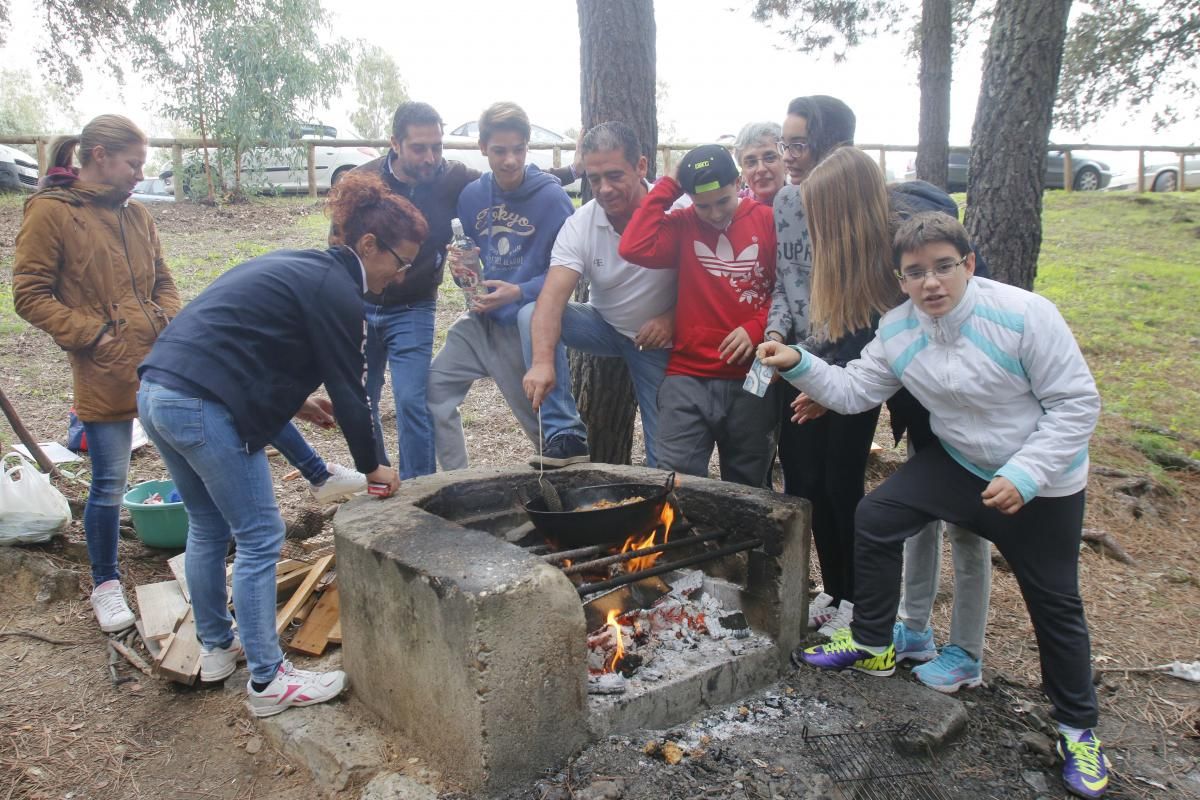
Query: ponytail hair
<point x="111" y="131"/>
<point x="361" y="203"/>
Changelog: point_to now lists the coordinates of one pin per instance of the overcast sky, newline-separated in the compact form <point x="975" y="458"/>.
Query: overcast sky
<point x="722" y="69"/>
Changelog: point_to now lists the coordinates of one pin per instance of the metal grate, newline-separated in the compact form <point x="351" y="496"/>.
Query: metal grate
<point x="868" y="765"/>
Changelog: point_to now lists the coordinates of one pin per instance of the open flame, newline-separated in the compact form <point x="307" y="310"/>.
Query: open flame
<point x="619" y="653"/>
<point x="633" y="543"/>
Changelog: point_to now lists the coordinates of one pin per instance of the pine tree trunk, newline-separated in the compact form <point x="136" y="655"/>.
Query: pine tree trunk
<point x="933" y="145"/>
<point x="616" y="60"/>
<point x="1012" y="127"/>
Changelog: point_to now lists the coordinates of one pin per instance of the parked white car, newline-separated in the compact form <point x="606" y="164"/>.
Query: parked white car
<point x="18" y="170"/>
<point x="468" y="134"/>
<point x="286" y="168"/>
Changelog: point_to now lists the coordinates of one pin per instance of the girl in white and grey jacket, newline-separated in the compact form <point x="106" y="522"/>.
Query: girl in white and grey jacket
<point x="1013" y="404"/>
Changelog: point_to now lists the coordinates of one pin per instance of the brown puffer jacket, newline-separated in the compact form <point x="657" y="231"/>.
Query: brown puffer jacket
<point x="87" y="263"/>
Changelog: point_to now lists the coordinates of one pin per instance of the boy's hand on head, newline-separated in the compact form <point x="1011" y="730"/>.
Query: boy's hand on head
<point x="778" y="355"/>
<point x="736" y="348"/>
<point x="1003" y="496"/>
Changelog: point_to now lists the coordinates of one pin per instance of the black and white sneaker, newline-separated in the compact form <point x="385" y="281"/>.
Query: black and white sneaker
<point x="562" y="450"/>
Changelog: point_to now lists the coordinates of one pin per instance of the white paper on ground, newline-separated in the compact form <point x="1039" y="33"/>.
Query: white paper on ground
<point x="53" y="450"/>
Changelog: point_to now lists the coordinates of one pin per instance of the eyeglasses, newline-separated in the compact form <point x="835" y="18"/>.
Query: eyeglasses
<point x="939" y="271"/>
<point x="767" y="160"/>
<point x="795" y="149"/>
<point x="402" y="262"/>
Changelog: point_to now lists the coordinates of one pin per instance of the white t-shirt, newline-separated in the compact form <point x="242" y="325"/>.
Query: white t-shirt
<point x="625" y="294"/>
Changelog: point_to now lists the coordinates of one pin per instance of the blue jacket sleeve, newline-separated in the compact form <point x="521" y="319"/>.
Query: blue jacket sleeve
<point x="338" y="339"/>
<point x="557" y="213"/>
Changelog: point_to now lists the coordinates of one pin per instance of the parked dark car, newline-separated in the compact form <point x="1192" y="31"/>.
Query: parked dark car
<point x="1088" y="175"/>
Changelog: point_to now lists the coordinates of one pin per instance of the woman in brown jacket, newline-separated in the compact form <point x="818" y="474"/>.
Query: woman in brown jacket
<point x="89" y="271"/>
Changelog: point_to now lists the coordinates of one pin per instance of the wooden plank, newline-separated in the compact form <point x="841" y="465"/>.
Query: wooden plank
<point x="307" y="608"/>
<point x="180" y="657"/>
<point x="152" y="645"/>
<point x="160" y="605"/>
<point x="176" y="565"/>
<point x="284" y="617"/>
<point x="290" y="565"/>
<point x="313" y="635"/>
<point x="288" y="582"/>
<point x="335" y="633"/>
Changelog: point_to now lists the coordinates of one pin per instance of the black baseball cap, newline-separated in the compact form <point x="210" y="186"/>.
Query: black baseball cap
<point x="706" y="168"/>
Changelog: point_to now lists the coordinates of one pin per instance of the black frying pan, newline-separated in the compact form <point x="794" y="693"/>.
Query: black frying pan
<point x="579" y="525"/>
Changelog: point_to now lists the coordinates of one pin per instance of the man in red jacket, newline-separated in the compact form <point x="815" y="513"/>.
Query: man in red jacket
<point x="724" y="249"/>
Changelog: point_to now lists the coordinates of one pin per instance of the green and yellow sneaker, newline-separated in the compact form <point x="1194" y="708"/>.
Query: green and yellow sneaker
<point x="841" y="653"/>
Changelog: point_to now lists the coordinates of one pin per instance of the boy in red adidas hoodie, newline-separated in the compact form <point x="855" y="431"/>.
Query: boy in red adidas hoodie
<point x="724" y="249"/>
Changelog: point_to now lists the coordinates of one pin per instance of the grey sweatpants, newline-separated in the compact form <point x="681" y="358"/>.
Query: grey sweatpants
<point x="476" y="347"/>
<point x="696" y="413"/>
<point x="972" y="557"/>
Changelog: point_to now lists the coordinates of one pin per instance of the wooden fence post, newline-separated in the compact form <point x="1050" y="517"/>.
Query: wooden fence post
<point x="666" y="151"/>
<point x="41" y="156"/>
<point x="883" y="162"/>
<point x="557" y="156"/>
<point x="1181" y="184"/>
<point x="312" y="169"/>
<point x="177" y="168"/>
<point x="1068" y="172"/>
<point x="1141" y="176"/>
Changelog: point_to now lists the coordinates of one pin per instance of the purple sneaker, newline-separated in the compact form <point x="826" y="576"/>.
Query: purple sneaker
<point x="842" y="653"/>
<point x="1085" y="769"/>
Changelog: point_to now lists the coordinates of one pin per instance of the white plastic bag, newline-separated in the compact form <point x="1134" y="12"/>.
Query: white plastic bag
<point x="31" y="509"/>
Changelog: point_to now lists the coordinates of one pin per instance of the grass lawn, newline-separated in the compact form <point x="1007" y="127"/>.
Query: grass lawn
<point x="1125" y="271"/>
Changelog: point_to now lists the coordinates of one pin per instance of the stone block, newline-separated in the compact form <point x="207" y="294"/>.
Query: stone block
<point x="469" y="646"/>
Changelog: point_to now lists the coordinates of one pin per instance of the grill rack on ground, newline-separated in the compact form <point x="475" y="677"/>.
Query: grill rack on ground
<point x="869" y="765"/>
<point x="676" y="542"/>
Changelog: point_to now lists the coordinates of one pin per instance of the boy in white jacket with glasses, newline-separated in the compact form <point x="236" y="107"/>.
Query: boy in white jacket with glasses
<point x="1013" y="405"/>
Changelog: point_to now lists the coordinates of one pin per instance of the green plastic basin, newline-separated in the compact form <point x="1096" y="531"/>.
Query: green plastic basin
<point x="163" y="525"/>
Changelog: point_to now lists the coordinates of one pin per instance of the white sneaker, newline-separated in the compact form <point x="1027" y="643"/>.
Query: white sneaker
<point x="841" y="619"/>
<point x="294" y="687"/>
<point x="820" y="611"/>
<point x="219" y="663"/>
<point x="342" y="482"/>
<point x="112" y="612"/>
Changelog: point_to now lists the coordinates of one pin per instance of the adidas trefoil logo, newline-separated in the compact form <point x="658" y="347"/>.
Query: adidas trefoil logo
<point x="722" y="263"/>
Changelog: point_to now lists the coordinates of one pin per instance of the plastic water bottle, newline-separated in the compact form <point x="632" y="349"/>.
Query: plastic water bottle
<point x="469" y="272"/>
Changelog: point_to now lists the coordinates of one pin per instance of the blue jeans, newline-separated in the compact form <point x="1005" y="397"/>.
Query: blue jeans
<point x="292" y="445"/>
<point x="402" y="337"/>
<point x="108" y="447"/>
<point x="227" y="493"/>
<point x="584" y="329"/>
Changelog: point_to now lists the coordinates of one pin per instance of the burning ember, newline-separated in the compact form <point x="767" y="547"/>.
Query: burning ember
<point x="632" y="543"/>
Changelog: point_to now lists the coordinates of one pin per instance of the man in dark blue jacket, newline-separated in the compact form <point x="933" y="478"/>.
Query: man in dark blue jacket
<point x="400" y="319"/>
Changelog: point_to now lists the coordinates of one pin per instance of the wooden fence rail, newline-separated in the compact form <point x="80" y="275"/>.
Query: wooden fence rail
<point x="665" y="150"/>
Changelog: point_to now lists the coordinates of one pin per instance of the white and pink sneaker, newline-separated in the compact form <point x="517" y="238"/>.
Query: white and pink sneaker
<point x="294" y="687"/>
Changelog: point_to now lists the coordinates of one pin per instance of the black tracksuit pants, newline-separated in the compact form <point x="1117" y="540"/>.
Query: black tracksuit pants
<point x="1040" y="543"/>
<point x="825" y="462"/>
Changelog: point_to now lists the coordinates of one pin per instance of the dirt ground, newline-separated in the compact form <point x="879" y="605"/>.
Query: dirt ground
<point x="67" y="732"/>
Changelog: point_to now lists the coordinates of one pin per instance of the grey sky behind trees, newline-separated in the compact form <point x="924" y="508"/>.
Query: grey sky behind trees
<point x="721" y="69"/>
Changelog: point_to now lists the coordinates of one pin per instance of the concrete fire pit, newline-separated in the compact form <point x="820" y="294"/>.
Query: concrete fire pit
<point x="476" y="649"/>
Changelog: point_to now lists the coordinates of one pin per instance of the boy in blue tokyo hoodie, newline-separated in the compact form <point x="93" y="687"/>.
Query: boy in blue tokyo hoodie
<point x="514" y="230"/>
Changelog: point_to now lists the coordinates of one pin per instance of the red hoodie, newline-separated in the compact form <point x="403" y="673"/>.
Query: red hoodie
<point x="725" y="277"/>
